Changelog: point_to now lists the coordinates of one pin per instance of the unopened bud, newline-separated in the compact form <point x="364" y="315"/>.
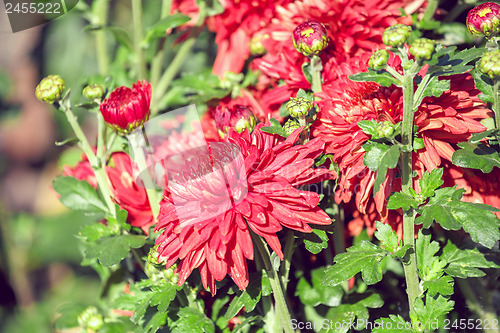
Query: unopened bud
<point x="490" y="64"/>
<point x="256" y="46"/>
<point x="484" y="20"/>
<point x="94" y="91"/>
<point x="378" y="60"/>
<point x="50" y="89"/>
<point x="310" y="38"/>
<point x="239" y="117"/>
<point x="396" y="35"/>
<point x="298" y="107"/>
<point x="422" y="48"/>
<point x="290" y="126"/>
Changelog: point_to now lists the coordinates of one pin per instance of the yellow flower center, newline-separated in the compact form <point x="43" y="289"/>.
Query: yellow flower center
<point x="484" y="12"/>
<point x="307" y="32"/>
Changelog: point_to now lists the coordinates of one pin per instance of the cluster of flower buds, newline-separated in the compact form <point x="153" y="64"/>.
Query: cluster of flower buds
<point x="378" y="60"/>
<point x="384" y="130"/>
<point x="490" y="64"/>
<point x="157" y="272"/>
<point x="422" y="48"/>
<point x="484" y="20"/>
<point x="126" y="109"/>
<point x="310" y="38"/>
<point x="396" y="35"/>
<point x="299" y="107"/>
<point x="50" y="89"/>
<point x="239" y="117"/>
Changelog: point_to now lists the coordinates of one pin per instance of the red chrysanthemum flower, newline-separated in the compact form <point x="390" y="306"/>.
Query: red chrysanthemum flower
<point x="126" y="193"/>
<point x="125" y="109"/>
<point x="442" y="122"/>
<point x="204" y="228"/>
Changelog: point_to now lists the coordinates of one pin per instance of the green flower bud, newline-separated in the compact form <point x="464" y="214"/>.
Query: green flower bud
<point x="256" y="46"/>
<point x="94" y="91"/>
<point x="378" y="60"/>
<point x="290" y="126"/>
<point x="299" y="107"/>
<point x="422" y="48"/>
<point x="50" y="89"/>
<point x="384" y="130"/>
<point x="90" y="318"/>
<point x="490" y="64"/>
<point x="396" y="35"/>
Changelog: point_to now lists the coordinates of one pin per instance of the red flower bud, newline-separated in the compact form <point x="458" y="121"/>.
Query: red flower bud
<point x="239" y="117"/>
<point x="126" y="109"/>
<point x="484" y="20"/>
<point x="310" y="38"/>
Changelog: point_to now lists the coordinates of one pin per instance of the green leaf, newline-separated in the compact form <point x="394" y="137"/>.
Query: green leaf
<point x="248" y="322"/>
<point x="463" y="263"/>
<point x="485" y="85"/>
<point x="316" y="241"/>
<point x="78" y="195"/>
<point x="387" y="236"/>
<point x="315" y="293"/>
<point x="452" y="214"/>
<point x="442" y="285"/>
<point x="430" y="182"/>
<point x="354" y="306"/>
<point x="393" y="324"/>
<point x="120" y="35"/>
<point x="111" y="250"/>
<point x="429" y="266"/>
<point x="477" y="137"/>
<point x="455" y="33"/>
<point x="364" y="258"/>
<point x="476" y="156"/>
<point x="382" y="77"/>
<point x="275" y="128"/>
<point x="156" y="322"/>
<point x="418" y="143"/>
<point x="158" y="30"/>
<point x="368" y="127"/>
<point x="205" y="85"/>
<point x="303" y="94"/>
<point x="95" y="231"/>
<point x="434" y="88"/>
<point x="189" y="320"/>
<point x="379" y="158"/>
<point x="434" y="308"/>
<point x="163" y="295"/>
<point x="247" y="298"/>
<point x="401" y="200"/>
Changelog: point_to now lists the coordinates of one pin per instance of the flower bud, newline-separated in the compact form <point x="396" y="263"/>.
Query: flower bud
<point x="422" y="48"/>
<point x="256" y="46"/>
<point x="378" y="60"/>
<point x="94" y="91"/>
<point x="490" y="64"/>
<point x="126" y="109"/>
<point x="239" y="117"/>
<point x="396" y="35"/>
<point x="310" y="38"/>
<point x="90" y="318"/>
<point x="384" y="130"/>
<point x="50" y="89"/>
<point x="299" y="107"/>
<point x="290" y="126"/>
<point x="484" y="20"/>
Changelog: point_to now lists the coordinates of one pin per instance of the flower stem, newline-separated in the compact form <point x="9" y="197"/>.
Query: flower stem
<point x="101" y="13"/>
<point x="316" y="68"/>
<point x="410" y="267"/>
<point x="139" y="158"/>
<point x="288" y="253"/>
<point x="140" y="56"/>
<point x="157" y="63"/>
<point x="94" y="162"/>
<point x="279" y="297"/>
<point x="430" y="10"/>
<point x="496" y="102"/>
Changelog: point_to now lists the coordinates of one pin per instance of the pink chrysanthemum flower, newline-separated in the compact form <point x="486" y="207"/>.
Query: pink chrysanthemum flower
<point x="202" y="229"/>
<point x="442" y="122"/>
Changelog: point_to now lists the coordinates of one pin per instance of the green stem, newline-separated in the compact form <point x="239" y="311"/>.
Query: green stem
<point x="420" y="90"/>
<point x="484" y="312"/>
<point x="288" y="253"/>
<point x="140" y="159"/>
<point x="316" y="68"/>
<point x="394" y="73"/>
<point x="101" y="136"/>
<point x="100" y="174"/>
<point x="191" y="298"/>
<point x="496" y="103"/>
<point x="410" y="267"/>
<point x="430" y="10"/>
<point x="157" y="63"/>
<point x="279" y="297"/>
<point x="140" y="55"/>
<point x="101" y="13"/>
